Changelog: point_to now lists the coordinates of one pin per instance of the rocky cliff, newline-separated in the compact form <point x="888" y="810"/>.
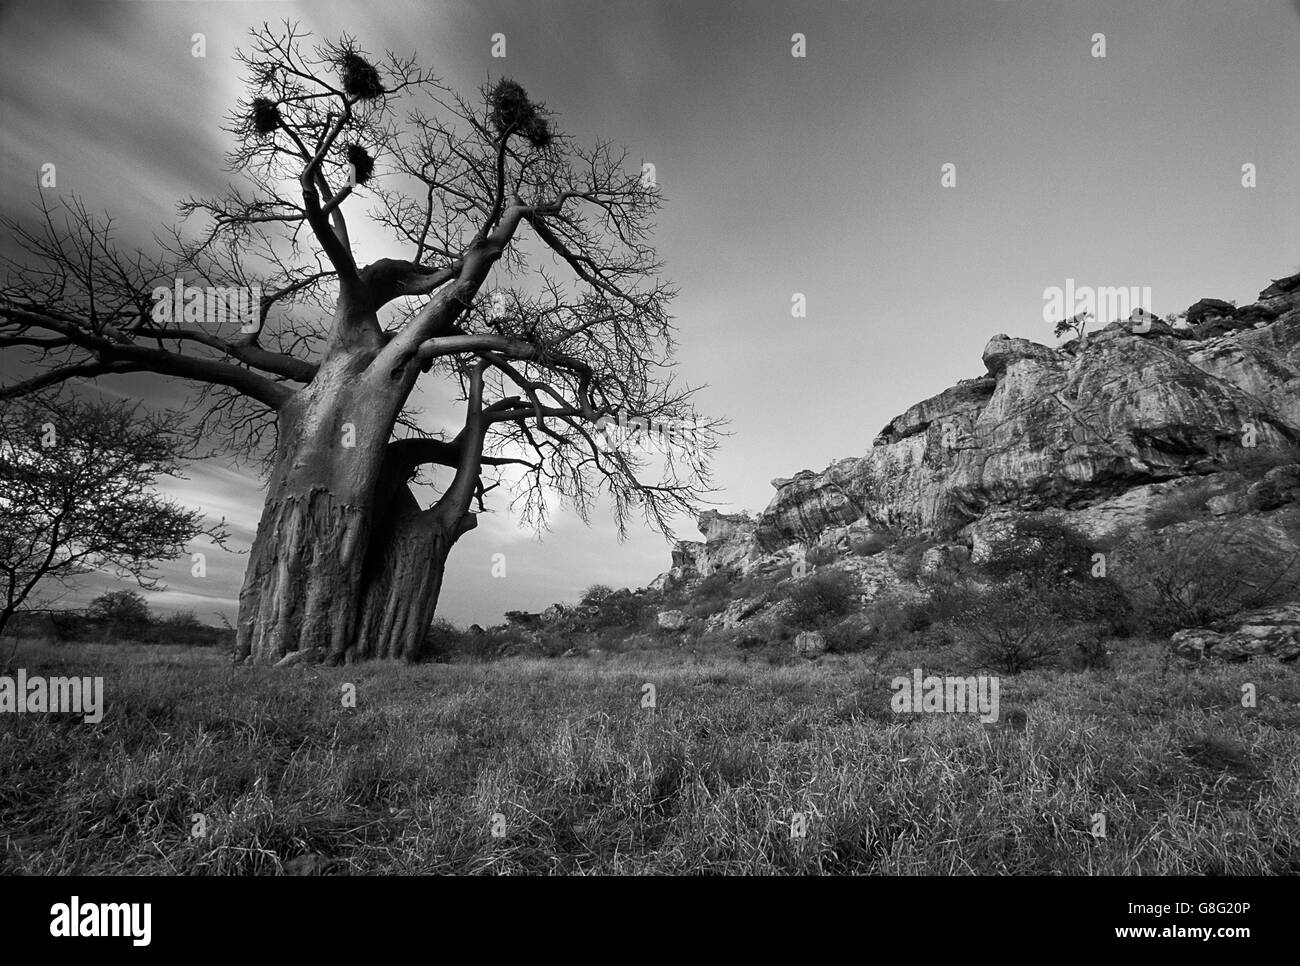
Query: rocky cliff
<point x="1105" y="430"/>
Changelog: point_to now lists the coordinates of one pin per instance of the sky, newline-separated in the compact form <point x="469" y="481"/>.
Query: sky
<point x="818" y="176"/>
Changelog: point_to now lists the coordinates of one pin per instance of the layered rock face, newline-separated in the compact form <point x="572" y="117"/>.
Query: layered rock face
<point x="1117" y="419"/>
<point x="729" y="542"/>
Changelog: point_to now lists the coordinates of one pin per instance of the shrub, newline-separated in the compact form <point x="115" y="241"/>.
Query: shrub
<point x="596" y="594"/>
<point x="120" y="613"/>
<point x="621" y="609"/>
<point x="178" y="629"/>
<point x="444" y="642"/>
<point x="1254" y="462"/>
<point x="1192" y="578"/>
<point x="614" y="608"/>
<point x="848" y="636"/>
<point x="821" y="598"/>
<point x="182" y="620"/>
<point x="889" y="616"/>
<point x="945" y="598"/>
<point x="1011" y="629"/>
<point x="1184" y="505"/>
<point x="1041" y="552"/>
<point x="1096" y="600"/>
<point x="713" y="593"/>
<point x="908" y="555"/>
<point x="1087" y="648"/>
<point x="820" y="554"/>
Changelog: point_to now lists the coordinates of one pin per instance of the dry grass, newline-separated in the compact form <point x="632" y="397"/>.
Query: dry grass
<point x="582" y="779"/>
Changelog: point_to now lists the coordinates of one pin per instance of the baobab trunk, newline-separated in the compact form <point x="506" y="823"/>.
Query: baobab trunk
<point x="404" y="579"/>
<point x="302" y="583"/>
<point x="306" y="573"/>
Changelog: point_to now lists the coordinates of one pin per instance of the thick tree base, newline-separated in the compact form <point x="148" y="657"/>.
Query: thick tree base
<point x="406" y="579"/>
<point x="314" y="594"/>
<point x="303" y="583"/>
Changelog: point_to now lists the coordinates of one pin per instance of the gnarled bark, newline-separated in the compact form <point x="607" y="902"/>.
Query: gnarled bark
<point x="303" y="586"/>
<point x="407" y="561"/>
<point x="303" y="581"/>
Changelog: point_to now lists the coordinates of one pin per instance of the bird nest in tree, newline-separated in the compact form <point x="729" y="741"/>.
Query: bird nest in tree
<point x="360" y="79"/>
<point x="265" y="115"/>
<point x="512" y="111"/>
<point x="363" y="165"/>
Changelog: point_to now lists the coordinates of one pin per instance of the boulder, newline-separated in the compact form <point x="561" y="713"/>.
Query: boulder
<point x="1226" y="504"/>
<point x="1271" y="631"/>
<point x="1279" y="487"/>
<point x="943" y="558"/>
<point x="809" y="644"/>
<point x="993" y="533"/>
<point x="1002" y="351"/>
<point x="736" y="613"/>
<point x="672" y="620"/>
<point x="1195" y="643"/>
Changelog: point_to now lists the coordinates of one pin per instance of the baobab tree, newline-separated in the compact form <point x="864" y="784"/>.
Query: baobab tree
<point x="522" y="277"/>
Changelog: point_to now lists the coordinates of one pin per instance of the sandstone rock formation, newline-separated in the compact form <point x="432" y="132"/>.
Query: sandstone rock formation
<point x="1105" y="434"/>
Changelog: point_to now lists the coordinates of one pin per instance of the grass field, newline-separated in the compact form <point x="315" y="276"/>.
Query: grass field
<point x="554" y="766"/>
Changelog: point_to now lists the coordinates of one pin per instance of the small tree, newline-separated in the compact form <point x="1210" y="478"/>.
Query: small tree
<point x="76" y="496"/>
<point x="1077" y="324"/>
<point x="1011" y="628"/>
<point x="122" y="612"/>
